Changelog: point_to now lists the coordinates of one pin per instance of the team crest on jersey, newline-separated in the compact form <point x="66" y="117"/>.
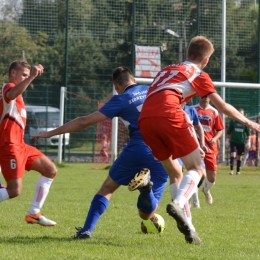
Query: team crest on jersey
<point x="205" y="118"/>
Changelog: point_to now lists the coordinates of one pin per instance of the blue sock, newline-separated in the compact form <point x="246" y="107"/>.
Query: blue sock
<point x="147" y="202"/>
<point x="97" y="208"/>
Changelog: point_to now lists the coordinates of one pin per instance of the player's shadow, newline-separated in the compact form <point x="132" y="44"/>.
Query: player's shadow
<point x="32" y="240"/>
<point x="36" y="240"/>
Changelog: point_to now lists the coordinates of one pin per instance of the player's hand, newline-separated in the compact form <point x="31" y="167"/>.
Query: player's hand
<point x="247" y="145"/>
<point x="37" y="70"/>
<point x="204" y="147"/>
<point x="253" y="125"/>
<point x="40" y="135"/>
<point x="212" y="141"/>
<point x="202" y="153"/>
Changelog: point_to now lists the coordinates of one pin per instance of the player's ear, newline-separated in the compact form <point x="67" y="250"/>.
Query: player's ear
<point x="205" y="61"/>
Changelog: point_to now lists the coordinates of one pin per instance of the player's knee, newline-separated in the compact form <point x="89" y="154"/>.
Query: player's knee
<point x="106" y="189"/>
<point x="50" y="171"/>
<point x="53" y="171"/>
<point x="13" y="192"/>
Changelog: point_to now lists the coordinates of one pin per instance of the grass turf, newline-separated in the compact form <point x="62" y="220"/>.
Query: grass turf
<point x="229" y="228"/>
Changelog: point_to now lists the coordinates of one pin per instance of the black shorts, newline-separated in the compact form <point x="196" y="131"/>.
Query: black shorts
<point x="238" y="148"/>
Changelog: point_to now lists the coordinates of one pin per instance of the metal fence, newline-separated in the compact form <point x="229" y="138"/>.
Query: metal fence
<point x="80" y="42"/>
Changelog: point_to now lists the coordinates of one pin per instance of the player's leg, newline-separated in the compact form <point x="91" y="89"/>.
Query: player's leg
<point x="151" y="194"/>
<point x="187" y="188"/>
<point x="12" y="189"/>
<point x="174" y="170"/>
<point x="195" y="196"/>
<point x="136" y="157"/>
<point x="165" y="144"/>
<point x="38" y="162"/>
<point x="211" y="172"/>
<point x="12" y="160"/>
<point x="232" y="157"/>
<point x="130" y="161"/>
<point x="208" y="184"/>
<point x="98" y="206"/>
<point x="190" y="181"/>
<point x="240" y="153"/>
<point x="1" y="184"/>
<point x="147" y="203"/>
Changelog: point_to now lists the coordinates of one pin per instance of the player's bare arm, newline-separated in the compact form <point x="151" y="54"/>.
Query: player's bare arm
<point x="26" y="79"/>
<point x="214" y="140"/>
<point x="74" y="125"/>
<point x="230" y="111"/>
<point x="200" y="132"/>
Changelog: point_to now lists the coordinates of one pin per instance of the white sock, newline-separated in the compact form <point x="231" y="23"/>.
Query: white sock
<point x="208" y="185"/>
<point x="187" y="213"/>
<point x="41" y="192"/>
<point x="186" y="210"/>
<point x="187" y="187"/>
<point x="173" y="190"/>
<point x="195" y="196"/>
<point x="3" y="194"/>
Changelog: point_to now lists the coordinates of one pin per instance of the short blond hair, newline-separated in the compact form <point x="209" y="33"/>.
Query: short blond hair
<point x="199" y="48"/>
<point x="18" y="65"/>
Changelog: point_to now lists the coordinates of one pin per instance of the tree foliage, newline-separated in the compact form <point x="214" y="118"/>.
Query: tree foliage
<point x="101" y="36"/>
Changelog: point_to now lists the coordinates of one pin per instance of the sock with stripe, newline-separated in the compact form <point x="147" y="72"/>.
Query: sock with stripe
<point x="187" y="187"/>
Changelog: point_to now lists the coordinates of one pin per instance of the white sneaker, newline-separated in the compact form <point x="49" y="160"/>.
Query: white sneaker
<point x="39" y="219"/>
<point x="231" y="173"/>
<point x="208" y="196"/>
<point x="238" y="173"/>
<point x="196" y="205"/>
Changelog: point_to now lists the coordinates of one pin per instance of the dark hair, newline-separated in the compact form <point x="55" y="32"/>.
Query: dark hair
<point x="122" y="74"/>
<point x="17" y="65"/>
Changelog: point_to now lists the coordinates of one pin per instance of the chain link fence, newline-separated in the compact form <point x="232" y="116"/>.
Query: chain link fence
<point x="81" y="42"/>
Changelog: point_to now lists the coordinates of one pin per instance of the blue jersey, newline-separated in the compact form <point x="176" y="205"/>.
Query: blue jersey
<point x="136" y="154"/>
<point x="127" y="106"/>
<point x="194" y="117"/>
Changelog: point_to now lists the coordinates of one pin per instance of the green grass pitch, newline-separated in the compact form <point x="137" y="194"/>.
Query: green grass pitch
<point x="229" y="229"/>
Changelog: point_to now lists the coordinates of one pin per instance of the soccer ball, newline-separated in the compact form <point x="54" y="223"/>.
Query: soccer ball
<point x="154" y="225"/>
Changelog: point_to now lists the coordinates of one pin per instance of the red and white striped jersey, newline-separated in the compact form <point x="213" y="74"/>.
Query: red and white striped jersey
<point x="12" y="117"/>
<point x="211" y="122"/>
<point x="185" y="78"/>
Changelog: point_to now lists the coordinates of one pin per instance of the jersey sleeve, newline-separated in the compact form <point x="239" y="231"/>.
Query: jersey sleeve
<point x="195" y="116"/>
<point x="203" y="85"/>
<point x="7" y="87"/>
<point x="112" y="108"/>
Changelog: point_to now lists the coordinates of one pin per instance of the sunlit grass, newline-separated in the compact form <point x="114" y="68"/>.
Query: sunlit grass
<point x="229" y="228"/>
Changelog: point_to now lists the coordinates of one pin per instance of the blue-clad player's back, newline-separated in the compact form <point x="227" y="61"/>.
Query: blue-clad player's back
<point x="127" y="106"/>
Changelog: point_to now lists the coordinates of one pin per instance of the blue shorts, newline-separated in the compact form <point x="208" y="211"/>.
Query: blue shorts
<point x="134" y="157"/>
